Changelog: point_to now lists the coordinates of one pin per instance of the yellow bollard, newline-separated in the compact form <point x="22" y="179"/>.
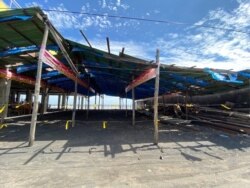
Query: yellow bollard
<point x="2" y="109"/>
<point x="3" y="125"/>
<point x="104" y="124"/>
<point x="67" y="124"/>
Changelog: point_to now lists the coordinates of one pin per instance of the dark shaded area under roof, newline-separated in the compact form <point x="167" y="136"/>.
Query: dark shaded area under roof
<point x="21" y="33"/>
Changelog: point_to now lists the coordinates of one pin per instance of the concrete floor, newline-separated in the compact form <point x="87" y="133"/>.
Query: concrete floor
<point x="121" y="155"/>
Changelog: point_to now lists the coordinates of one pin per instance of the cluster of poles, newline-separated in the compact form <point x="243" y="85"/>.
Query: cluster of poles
<point x="38" y="84"/>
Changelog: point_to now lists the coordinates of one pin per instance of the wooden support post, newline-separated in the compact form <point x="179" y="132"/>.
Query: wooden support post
<point x="87" y="114"/>
<point x="37" y="87"/>
<point x="108" y="45"/>
<point x="157" y="79"/>
<point x="95" y="102"/>
<point x="45" y="101"/>
<point x="64" y="101"/>
<point x="88" y="108"/>
<point x="164" y="106"/>
<point x="79" y="102"/>
<point x="133" y="106"/>
<point x="82" y="101"/>
<point x="186" y="108"/>
<point x="126" y="105"/>
<point x="86" y="104"/>
<point x="67" y="100"/>
<point x="74" y="105"/>
<point x="86" y="38"/>
<point x="59" y="102"/>
<point x="120" y="103"/>
<point x="102" y="101"/>
<point x="99" y="103"/>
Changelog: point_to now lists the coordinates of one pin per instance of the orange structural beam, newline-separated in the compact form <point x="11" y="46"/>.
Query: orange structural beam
<point x="4" y="73"/>
<point x="59" y="66"/>
<point x="142" y="78"/>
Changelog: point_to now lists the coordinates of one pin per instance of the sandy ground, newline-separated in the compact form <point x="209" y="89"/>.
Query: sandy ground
<point x="121" y="155"/>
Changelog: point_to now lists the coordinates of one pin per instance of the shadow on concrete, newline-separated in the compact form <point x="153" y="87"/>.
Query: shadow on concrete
<point x="119" y="132"/>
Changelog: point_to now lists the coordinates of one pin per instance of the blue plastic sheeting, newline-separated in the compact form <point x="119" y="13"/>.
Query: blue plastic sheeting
<point x="230" y="78"/>
<point x="188" y="79"/>
<point x="63" y="79"/>
<point x="69" y="85"/>
<point x="50" y="74"/>
<point x="25" y="68"/>
<point x="14" y="18"/>
<point x="18" y="50"/>
<point x="244" y="74"/>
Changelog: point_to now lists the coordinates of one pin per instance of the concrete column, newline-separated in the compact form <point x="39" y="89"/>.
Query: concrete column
<point x="4" y="97"/>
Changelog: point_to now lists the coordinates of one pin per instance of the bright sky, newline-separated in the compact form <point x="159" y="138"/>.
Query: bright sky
<point x="179" y="44"/>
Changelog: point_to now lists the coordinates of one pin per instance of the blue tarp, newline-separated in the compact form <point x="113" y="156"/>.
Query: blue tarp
<point x="231" y="78"/>
<point x="14" y="18"/>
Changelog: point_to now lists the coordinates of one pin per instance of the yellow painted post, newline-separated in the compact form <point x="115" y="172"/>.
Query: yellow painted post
<point x="67" y="124"/>
<point x="104" y="124"/>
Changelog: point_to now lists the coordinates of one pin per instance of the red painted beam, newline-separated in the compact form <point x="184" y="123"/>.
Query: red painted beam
<point x="142" y="78"/>
<point x="59" y="66"/>
<point x="26" y="80"/>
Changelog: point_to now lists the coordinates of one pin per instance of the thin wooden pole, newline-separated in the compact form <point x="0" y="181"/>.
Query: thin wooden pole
<point x="102" y="101"/>
<point x="126" y="105"/>
<point x="108" y="45"/>
<point x="157" y="79"/>
<point x="82" y="101"/>
<point x="37" y="87"/>
<point x="59" y="102"/>
<point x="87" y="114"/>
<point x="67" y="100"/>
<point x="74" y="105"/>
<point x="86" y="38"/>
<point x="186" y="108"/>
<point x="133" y="113"/>
<point x="95" y="101"/>
<point x="120" y="105"/>
<point x="164" y="107"/>
<point x="99" y="102"/>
